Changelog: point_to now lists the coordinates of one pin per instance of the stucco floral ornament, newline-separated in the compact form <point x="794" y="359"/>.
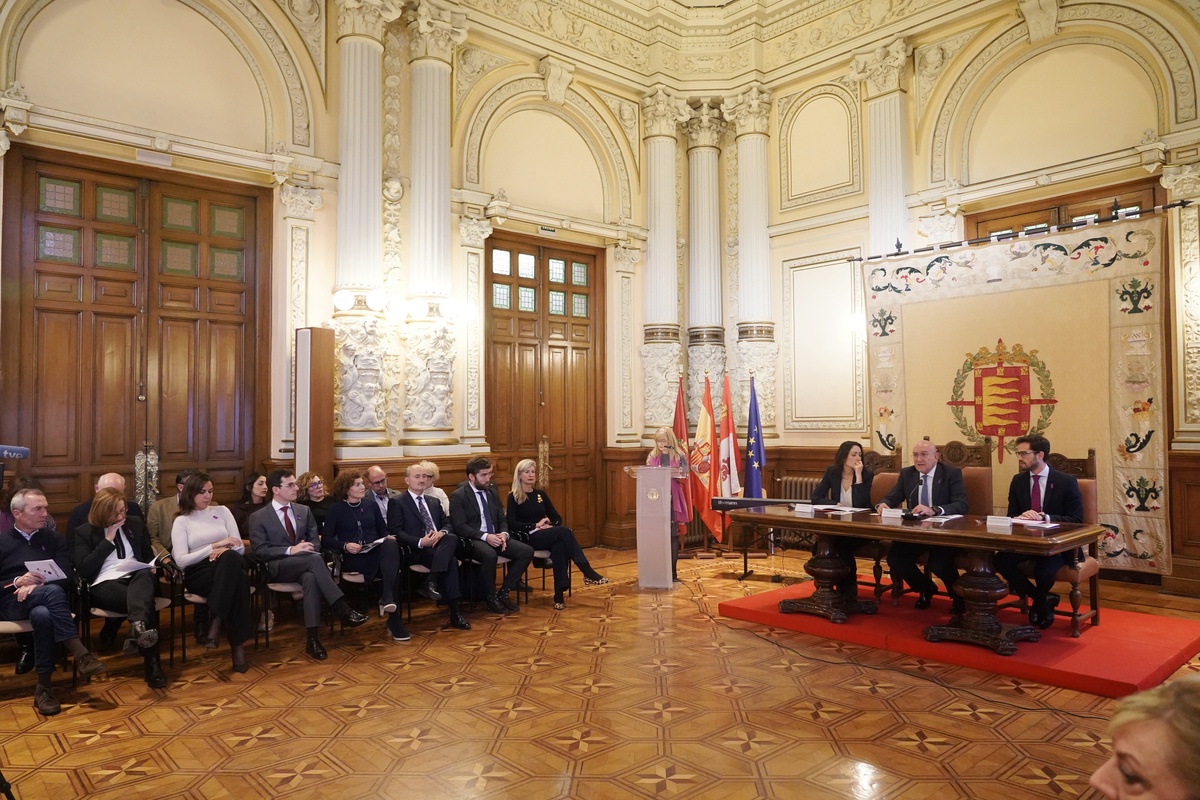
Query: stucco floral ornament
<point x="1003" y="397"/>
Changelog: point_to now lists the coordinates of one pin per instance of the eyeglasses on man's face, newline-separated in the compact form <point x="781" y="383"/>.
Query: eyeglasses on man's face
<point x="1023" y="453"/>
<point x="382" y="481"/>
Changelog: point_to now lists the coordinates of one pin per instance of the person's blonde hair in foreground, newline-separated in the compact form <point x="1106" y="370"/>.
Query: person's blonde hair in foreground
<point x="1156" y="745"/>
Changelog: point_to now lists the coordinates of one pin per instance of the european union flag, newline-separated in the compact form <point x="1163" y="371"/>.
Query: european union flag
<point x="756" y="456"/>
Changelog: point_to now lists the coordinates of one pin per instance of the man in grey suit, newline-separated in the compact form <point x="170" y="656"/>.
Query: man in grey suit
<point x="284" y="538"/>
<point x="380" y="493"/>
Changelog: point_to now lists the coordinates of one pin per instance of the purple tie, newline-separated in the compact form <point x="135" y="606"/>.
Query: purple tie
<point x="1036" y="497"/>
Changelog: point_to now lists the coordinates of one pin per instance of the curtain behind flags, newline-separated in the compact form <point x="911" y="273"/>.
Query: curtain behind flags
<point x="756" y="454"/>
<point x="730" y="485"/>
<point x="1059" y="334"/>
<point x="705" y="479"/>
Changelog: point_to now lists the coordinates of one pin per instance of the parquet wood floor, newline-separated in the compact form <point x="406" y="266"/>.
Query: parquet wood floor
<point x="626" y="694"/>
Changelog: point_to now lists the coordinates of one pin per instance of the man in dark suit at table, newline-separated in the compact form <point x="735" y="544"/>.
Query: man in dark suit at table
<point x="424" y="527"/>
<point x="475" y="518"/>
<point x="284" y="537"/>
<point x="929" y="488"/>
<point x="1038" y="492"/>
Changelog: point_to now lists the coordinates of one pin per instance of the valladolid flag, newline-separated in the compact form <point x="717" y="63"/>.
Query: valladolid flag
<point x="756" y="456"/>
<point x="730" y="485"/>
<point x="705" y="464"/>
<point x="680" y="428"/>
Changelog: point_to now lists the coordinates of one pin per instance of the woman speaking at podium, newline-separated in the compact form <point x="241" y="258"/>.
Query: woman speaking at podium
<point x="847" y="483"/>
<point x="667" y="452"/>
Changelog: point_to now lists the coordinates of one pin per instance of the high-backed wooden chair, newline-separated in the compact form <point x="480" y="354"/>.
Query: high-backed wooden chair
<point x="1075" y="571"/>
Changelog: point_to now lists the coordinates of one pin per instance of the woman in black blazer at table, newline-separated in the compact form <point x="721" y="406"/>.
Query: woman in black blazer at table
<point x="847" y="483"/>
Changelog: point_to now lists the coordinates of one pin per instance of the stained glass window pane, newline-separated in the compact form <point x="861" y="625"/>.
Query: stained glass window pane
<point x="579" y="305"/>
<point x="558" y="270"/>
<point x="58" y="244"/>
<point x="179" y="258"/>
<point x="227" y="222"/>
<point x="59" y="196"/>
<point x="526" y="266"/>
<point x="114" y="205"/>
<point x="115" y="252"/>
<point x="501" y="295"/>
<point x="579" y="273"/>
<point x="558" y="303"/>
<point x="226" y="264"/>
<point x="526" y="299"/>
<point x="180" y="215"/>
<point x="501" y="263"/>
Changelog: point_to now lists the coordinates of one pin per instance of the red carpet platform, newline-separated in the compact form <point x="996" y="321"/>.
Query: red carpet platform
<point x="1126" y="653"/>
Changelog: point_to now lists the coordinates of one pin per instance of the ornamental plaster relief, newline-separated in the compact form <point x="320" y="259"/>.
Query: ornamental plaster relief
<point x="428" y="376"/>
<point x="395" y="82"/>
<point x="882" y="68"/>
<point x="749" y="111"/>
<point x="595" y="134"/>
<point x="1041" y="17"/>
<point x="367" y="17"/>
<point x="557" y="74"/>
<point x="626" y="114"/>
<point x="358" y="379"/>
<point x="704" y="361"/>
<point x="1182" y="73"/>
<point x="308" y="17"/>
<point x="664" y="112"/>
<point x="758" y="361"/>
<point x="660" y="381"/>
<point x="299" y="106"/>
<point x="930" y="62"/>
<point x="470" y="65"/>
<point x="705" y="127"/>
<point x="789" y="108"/>
<point x="434" y="30"/>
<point x="475" y="301"/>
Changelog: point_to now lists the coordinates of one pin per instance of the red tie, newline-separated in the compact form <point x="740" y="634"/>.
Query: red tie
<point x="287" y="523"/>
<point x="1035" y="501"/>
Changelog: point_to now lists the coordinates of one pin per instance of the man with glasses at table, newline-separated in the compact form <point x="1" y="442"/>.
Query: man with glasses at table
<point x="380" y="493"/>
<point x="1040" y="493"/>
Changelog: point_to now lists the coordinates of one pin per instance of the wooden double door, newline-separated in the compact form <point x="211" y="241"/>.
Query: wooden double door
<point x="131" y="320"/>
<point x="544" y="371"/>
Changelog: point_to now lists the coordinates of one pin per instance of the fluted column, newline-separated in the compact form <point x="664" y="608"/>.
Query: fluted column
<point x="757" y="349"/>
<point x="434" y="29"/>
<point x="661" y="349"/>
<point x="882" y="72"/>
<point x="706" y="330"/>
<point x="359" y="407"/>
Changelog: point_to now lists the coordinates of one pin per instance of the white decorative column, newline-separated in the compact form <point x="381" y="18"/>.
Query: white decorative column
<point x="881" y="72"/>
<point x="757" y="350"/>
<point x="473" y="232"/>
<point x="623" y="262"/>
<point x="706" y="330"/>
<point x="359" y="409"/>
<point x="434" y="29"/>
<point x="300" y="205"/>
<point x="661" y="349"/>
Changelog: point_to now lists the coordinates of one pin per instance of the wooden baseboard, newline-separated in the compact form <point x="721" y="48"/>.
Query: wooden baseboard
<point x="1184" y="578"/>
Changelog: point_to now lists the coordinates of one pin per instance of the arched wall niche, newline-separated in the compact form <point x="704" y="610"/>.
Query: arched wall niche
<point x="1168" y="63"/>
<point x="231" y="67"/>
<point x="589" y="123"/>
<point x="829" y="111"/>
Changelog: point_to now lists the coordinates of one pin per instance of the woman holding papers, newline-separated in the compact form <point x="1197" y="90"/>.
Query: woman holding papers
<point x="114" y="557"/>
<point x="358" y="531"/>
<point x="847" y="483"/>
<point x="206" y="544"/>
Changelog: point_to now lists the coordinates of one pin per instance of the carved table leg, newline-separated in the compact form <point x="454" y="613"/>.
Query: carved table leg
<point x="826" y="570"/>
<point x="981" y="588"/>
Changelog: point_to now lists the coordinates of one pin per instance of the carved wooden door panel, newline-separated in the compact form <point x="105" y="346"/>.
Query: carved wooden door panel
<point x="544" y="370"/>
<point x="132" y="318"/>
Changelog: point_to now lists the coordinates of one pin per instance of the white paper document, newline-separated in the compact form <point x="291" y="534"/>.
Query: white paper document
<point x="1034" y="523"/>
<point x="48" y="569"/>
<point x="836" y="509"/>
<point x="945" y="517"/>
<point x="369" y="546"/>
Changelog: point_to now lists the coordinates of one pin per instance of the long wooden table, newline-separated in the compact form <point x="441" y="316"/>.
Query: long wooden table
<point x="979" y="584"/>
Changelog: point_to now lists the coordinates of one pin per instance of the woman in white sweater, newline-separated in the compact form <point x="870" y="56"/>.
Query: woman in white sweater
<point x="206" y="544"/>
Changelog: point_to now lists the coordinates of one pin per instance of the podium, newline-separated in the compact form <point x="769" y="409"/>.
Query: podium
<point x="654" y="526"/>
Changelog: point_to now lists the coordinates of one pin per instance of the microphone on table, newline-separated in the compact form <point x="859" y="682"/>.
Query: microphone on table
<point x="908" y="513"/>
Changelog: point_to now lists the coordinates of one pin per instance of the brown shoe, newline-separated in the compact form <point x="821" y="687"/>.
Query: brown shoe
<point x="45" y="702"/>
<point x="88" y="665"/>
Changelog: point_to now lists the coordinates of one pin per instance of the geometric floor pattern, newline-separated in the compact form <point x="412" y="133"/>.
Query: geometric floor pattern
<point x="626" y="694"/>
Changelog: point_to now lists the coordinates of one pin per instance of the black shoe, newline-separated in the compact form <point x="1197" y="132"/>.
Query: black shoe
<point x="44" y="701"/>
<point x="1035" y="615"/>
<point x="427" y="589"/>
<point x="494" y="605"/>
<point x="522" y="586"/>
<point x="958" y="607"/>
<point x="25" y="660"/>
<point x="543" y="563"/>
<point x="924" y="601"/>
<point x="1047" y="615"/>
<point x="352" y="619"/>
<point x="143" y="635"/>
<point x="88" y="665"/>
<point x="457" y="620"/>
<point x="155" y="678"/>
<point x="201" y="630"/>
<point x="507" y="601"/>
<point x="314" y="649"/>
<point x="396" y="628"/>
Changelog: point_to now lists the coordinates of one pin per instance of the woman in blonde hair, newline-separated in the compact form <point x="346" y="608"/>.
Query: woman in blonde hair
<point x="1155" y="745"/>
<point x="433" y="491"/>
<point x="668" y="452"/>
<point x="533" y="518"/>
